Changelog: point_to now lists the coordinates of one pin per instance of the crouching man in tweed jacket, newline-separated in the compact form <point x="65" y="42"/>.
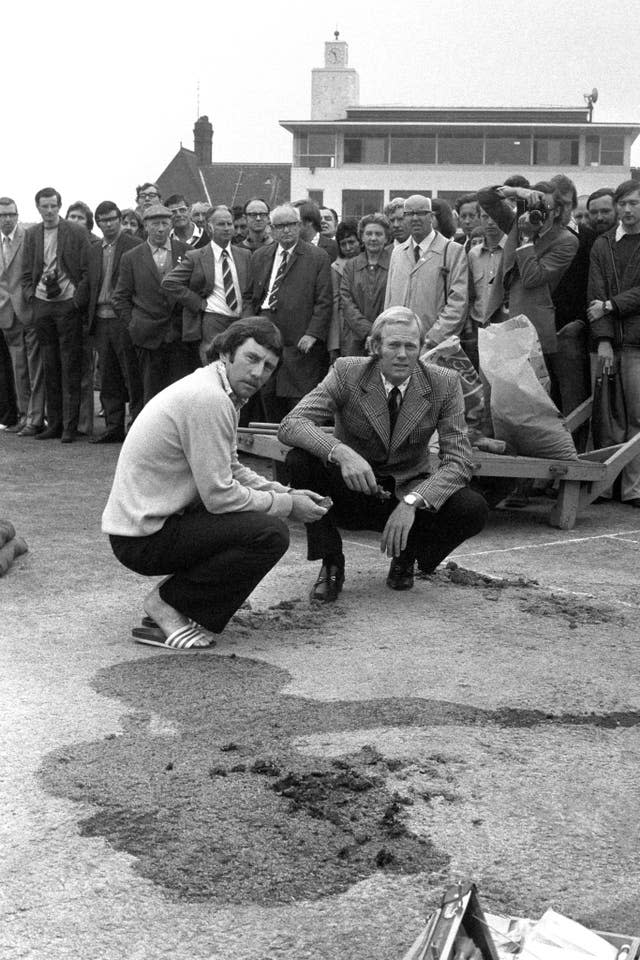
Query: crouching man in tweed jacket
<point x="375" y="466"/>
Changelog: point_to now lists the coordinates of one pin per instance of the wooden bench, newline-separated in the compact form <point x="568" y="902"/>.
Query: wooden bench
<point x="580" y="481"/>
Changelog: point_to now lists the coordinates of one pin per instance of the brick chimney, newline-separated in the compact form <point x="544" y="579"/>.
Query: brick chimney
<point x="202" y="140"/>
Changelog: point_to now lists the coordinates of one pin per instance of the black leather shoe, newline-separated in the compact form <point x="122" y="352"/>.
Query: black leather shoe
<point x="109" y="436"/>
<point x="329" y="583"/>
<point x="51" y="433"/>
<point x="400" y="576"/>
<point x="68" y="436"/>
<point x="17" y="427"/>
<point x="30" y="431"/>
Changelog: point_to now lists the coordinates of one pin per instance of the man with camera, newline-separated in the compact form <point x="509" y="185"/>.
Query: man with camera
<point x="54" y="262"/>
<point x="537" y="252"/>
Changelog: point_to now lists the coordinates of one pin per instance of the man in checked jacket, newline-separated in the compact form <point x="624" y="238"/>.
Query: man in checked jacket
<point x="375" y="466"/>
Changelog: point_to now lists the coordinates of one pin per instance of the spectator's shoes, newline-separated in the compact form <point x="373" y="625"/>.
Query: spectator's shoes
<point x="30" y="431"/>
<point x="329" y="583"/>
<point x="400" y="576"/>
<point x="109" y="436"/>
<point x="17" y="427"/>
<point x="634" y="502"/>
<point x="51" y="433"/>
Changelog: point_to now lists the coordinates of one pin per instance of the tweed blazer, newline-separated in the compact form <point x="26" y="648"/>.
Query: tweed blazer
<point x="12" y="300"/>
<point x="436" y="287"/>
<point x="353" y="395"/>
<point x="139" y="299"/>
<point x="193" y="278"/>
<point x="88" y="291"/>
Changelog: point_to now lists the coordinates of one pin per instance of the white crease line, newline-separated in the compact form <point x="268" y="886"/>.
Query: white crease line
<point x="623" y="539"/>
<point x="548" y="543"/>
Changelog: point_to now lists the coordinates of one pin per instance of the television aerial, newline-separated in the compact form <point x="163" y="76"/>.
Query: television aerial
<point x="590" y="99"/>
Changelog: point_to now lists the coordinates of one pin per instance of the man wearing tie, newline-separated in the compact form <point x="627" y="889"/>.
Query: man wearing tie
<point x="375" y="466"/>
<point x="429" y="274"/>
<point x="213" y="284"/>
<point x="292" y="286"/>
<point x="16" y="323"/>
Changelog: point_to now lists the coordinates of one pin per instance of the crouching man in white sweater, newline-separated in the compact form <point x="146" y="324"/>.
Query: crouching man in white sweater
<point x="182" y="505"/>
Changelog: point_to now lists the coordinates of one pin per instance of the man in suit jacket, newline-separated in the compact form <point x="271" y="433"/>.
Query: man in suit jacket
<point x="429" y="274"/>
<point x="53" y="264"/>
<point x="375" y="466"/>
<point x="152" y="315"/>
<point x="535" y="257"/>
<point x="16" y="323"/>
<point x="292" y="286"/>
<point x="119" y="370"/>
<point x="212" y="284"/>
<point x="311" y="228"/>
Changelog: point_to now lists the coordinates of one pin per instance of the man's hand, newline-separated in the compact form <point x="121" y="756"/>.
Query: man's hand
<point x="356" y="472"/>
<point x="596" y="310"/>
<point x="396" y="532"/>
<point x="306" y="506"/>
<point x="605" y="349"/>
<point x="305" y="343"/>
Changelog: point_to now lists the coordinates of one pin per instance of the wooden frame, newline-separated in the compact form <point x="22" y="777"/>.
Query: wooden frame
<point x="580" y="481"/>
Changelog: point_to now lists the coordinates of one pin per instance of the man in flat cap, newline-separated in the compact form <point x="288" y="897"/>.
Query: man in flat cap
<point x="153" y="315"/>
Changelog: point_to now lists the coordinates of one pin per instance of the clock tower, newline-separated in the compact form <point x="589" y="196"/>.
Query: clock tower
<point x="335" y="86"/>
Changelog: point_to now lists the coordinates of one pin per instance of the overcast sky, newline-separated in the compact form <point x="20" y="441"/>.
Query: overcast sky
<point x="105" y="92"/>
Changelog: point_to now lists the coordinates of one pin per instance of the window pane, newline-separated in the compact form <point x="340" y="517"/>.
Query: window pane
<point x="413" y="149"/>
<point x="365" y="149"/>
<point x="356" y="203"/>
<point x="555" y="151"/>
<point x="509" y="150"/>
<point x="592" y="150"/>
<point x="612" y="150"/>
<point x="459" y="149"/>
<point x="317" y="196"/>
<point x="321" y="143"/>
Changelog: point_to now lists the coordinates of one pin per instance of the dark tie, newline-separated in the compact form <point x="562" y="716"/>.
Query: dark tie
<point x="394" y="400"/>
<point x="416" y="252"/>
<point x="273" y="299"/>
<point x="227" y="280"/>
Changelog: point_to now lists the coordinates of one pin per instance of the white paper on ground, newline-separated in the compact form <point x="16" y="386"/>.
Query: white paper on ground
<point x="555" y="936"/>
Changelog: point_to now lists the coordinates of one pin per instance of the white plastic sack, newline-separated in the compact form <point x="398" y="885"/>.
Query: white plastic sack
<point x="523" y="415"/>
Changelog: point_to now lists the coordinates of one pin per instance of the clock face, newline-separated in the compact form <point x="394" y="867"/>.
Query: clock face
<point x="336" y="55"/>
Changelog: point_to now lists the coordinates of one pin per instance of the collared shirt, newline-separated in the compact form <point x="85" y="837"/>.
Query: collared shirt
<point x="226" y="386"/>
<point x="161" y="256"/>
<point x="484" y="264"/>
<point x="315" y="239"/>
<point x="193" y="239"/>
<point x="277" y="260"/>
<point x="424" y="244"/>
<point x="104" y="297"/>
<point x="388" y="386"/>
<point x="217" y="301"/>
<point x="5" y="246"/>
<point x="621" y="232"/>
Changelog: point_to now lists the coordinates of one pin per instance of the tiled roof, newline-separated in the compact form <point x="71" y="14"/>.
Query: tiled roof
<point x="231" y="183"/>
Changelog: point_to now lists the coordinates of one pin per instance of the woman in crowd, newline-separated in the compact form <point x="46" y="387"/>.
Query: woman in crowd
<point x="443" y="219"/>
<point x="364" y="283"/>
<point x="348" y="247"/>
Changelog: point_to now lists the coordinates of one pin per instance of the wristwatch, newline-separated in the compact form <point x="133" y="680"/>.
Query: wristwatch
<point x="413" y="500"/>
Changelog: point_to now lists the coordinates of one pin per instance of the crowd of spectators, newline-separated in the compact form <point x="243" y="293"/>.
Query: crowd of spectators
<point x="137" y="307"/>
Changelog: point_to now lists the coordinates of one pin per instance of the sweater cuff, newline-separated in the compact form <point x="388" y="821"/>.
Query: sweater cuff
<point x="281" y="504"/>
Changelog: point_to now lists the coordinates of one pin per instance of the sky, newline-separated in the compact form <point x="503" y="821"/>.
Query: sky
<point x="104" y="93"/>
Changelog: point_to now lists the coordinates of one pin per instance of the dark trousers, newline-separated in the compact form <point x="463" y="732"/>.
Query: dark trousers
<point x="216" y="560"/>
<point x="433" y="535"/>
<point x="59" y="328"/>
<point x="8" y="408"/>
<point x="119" y="372"/>
<point x="166" y="364"/>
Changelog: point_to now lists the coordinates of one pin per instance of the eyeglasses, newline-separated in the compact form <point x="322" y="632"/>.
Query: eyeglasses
<point x="8" y="215"/>
<point x="255" y="216"/>
<point x="148" y="196"/>
<point x="289" y="225"/>
<point x="417" y="213"/>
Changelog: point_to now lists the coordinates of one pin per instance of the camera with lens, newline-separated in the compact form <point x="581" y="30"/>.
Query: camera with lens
<point x="51" y="284"/>
<point x="536" y="211"/>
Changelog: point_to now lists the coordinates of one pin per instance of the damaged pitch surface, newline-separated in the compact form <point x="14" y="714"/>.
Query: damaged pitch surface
<point x="206" y="788"/>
